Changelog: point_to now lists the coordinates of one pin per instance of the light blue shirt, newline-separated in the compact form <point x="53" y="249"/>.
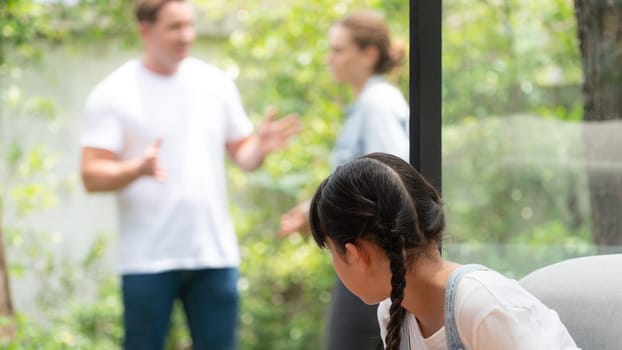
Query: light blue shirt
<point x="376" y="122"/>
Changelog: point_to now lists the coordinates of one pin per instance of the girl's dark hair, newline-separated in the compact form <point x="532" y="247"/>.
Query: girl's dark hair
<point x="147" y="10"/>
<point x="368" y="29"/>
<point x="382" y="199"/>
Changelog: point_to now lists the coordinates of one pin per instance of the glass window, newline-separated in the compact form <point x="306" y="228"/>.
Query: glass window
<point x="531" y="160"/>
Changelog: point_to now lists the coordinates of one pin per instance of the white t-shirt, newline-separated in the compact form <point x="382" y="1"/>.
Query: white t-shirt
<point x="183" y="222"/>
<point x="492" y="312"/>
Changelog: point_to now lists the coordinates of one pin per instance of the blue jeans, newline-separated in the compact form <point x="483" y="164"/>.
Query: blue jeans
<point x="210" y="299"/>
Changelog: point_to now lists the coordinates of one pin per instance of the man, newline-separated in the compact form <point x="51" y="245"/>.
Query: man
<point x="157" y="130"/>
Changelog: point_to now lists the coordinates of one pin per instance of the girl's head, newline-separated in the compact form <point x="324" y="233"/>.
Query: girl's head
<point x="380" y="205"/>
<point x="360" y="46"/>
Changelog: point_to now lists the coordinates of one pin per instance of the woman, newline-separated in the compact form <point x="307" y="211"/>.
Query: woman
<point x="377" y="121"/>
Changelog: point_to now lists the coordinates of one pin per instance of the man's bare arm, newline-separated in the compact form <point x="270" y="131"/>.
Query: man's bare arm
<point x="272" y="135"/>
<point x="102" y="171"/>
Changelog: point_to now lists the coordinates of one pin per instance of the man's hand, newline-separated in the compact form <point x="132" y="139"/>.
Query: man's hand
<point x="274" y="134"/>
<point x="150" y="164"/>
<point x="102" y="170"/>
<point x="271" y="135"/>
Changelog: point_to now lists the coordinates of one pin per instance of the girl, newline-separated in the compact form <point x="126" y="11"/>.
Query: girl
<point x="377" y="121"/>
<point x="383" y="224"/>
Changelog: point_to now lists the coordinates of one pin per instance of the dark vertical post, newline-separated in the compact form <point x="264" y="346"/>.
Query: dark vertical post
<point x="425" y="88"/>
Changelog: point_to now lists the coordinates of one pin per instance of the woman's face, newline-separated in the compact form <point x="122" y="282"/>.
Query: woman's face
<point x="347" y="62"/>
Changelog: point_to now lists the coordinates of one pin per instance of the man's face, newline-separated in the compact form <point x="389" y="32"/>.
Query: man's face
<point x="169" y="38"/>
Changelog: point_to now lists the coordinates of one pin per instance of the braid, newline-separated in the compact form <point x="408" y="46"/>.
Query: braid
<point x="394" y="245"/>
<point x="395" y="209"/>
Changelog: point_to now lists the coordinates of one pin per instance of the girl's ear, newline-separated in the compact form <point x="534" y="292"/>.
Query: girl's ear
<point x="360" y="254"/>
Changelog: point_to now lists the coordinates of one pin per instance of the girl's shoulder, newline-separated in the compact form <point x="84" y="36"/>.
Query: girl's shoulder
<point x="489" y="288"/>
<point x="496" y="308"/>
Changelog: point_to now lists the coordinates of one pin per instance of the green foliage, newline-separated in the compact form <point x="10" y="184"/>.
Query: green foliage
<point x="506" y="57"/>
<point x="65" y="320"/>
<point x="22" y="22"/>
<point x="28" y="184"/>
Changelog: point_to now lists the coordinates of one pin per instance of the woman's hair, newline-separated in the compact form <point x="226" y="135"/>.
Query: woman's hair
<point x="147" y="10"/>
<point x="368" y="29"/>
<point x="382" y="199"/>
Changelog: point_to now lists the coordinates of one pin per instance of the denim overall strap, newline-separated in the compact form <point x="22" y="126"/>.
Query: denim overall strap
<point x="405" y="343"/>
<point x="451" y="330"/>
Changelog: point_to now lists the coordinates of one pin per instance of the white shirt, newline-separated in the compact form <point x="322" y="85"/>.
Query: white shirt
<point x="183" y="222"/>
<point x="492" y="312"/>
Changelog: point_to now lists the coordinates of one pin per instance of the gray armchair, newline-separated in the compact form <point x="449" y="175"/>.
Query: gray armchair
<point x="586" y="292"/>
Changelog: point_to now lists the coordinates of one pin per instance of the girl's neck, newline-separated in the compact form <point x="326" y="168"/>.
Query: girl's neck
<point x="424" y="296"/>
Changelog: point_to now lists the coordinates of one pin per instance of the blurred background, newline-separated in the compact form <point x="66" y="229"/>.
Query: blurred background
<point x="530" y="175"/>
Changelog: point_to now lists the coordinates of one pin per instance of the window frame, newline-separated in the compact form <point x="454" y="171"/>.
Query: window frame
<point x="425" y="89"/>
